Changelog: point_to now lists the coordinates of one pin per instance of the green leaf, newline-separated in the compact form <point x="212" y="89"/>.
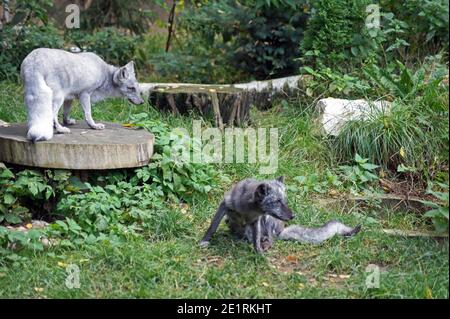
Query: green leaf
<point x="33" y="189"/>
<point x="432" y="213"/>
<point x="19" y="210"/>
<point x="300" y="179"/>
<point x="359" y="159"/>
<point x="369" y="166"/>
<point x="12" y="218"/>
<point x="62" y="224"/>
<point x="9" y="199"/>
<point x="6" y="173"/>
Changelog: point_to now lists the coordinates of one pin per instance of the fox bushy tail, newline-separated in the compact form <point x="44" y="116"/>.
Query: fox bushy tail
<point x="38" y="99"/>
<point x="319" y="234"/>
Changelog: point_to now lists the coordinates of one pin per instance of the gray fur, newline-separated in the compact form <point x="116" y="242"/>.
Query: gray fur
<point x="53" y="78"/>
<point x="256" y="211"/>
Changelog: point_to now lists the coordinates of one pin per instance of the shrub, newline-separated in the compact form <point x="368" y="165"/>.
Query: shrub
<point x="428" y="23"/>
<point x="257" y="38"/>
<point x="29" y="192"/>
<point x="112" y="45"/>
<point x="29" y="29"/>
<point x="337" y="37"/>
<point x="331" y="31"/>
<point x="17" y="42"/>
<point x="439" y="208"/>
<point x="208" y="66"/>
<point x="177" y="177"/>
<point x="123" y="14"/>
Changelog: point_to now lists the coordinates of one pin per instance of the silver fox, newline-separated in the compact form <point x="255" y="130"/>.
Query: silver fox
<point x="53" y="78"/>
<point x="256" y="210"/>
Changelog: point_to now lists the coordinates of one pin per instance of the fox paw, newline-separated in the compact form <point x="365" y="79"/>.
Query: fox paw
<point x="265" y="245"/>
<point x="69" y="121"/>
<point x="97" y="126"/>
<point x="204" y="244"/>
<point x="62" y="130"/>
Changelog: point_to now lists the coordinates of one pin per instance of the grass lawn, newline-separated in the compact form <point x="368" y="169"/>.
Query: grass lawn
<point x="175" y="267"/>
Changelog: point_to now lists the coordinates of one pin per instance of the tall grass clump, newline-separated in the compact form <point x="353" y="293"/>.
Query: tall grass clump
<point x="410" y="136"/>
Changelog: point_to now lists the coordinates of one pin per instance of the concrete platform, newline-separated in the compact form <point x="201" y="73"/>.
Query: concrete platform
<point x="84" y="148"/>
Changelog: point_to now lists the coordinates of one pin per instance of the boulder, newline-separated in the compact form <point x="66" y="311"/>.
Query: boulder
<point x="334" y="113"/>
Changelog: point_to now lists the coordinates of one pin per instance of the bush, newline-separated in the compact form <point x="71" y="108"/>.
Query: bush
<point x="177" y="177"/>
<point x="256" y="38"/>
<point x="17" y="42"/>
<point x="29" y="192"/>
<point x="194" y="67"/>
<point x="439" y="208"/>
<point x="337" y="36"/>
<point x="112" y="45"/>
<point x="29" y="29"/>
<point x="428" y="23"/>
<point x="331" y="31"/>
<point x="123" y="14"/>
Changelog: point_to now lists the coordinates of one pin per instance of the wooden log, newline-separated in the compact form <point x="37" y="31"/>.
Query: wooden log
<point x="83" y="149"/>
<point x="215" y="102"/>
<point x="234" y="100"/>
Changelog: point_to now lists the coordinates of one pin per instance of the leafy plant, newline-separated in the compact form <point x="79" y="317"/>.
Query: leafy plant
<point x="360" y="175"/>
<point x="330" y="33"/>
<point x="26" y="11"/>
<point x="259" y="38"/>
<point x="123" y="14"/>
<point x="327" y="81"/>
<point x="310" y="183"/>
<point x="439" y="211"/>
<point x="10" y="210"/>
<point x="403" y="82"/>
<point x="30" y="28"/>
<point x="112" y="45"/>
<point x="176" y="175"/>
<point x="29" y="191"/>
<point x="16" y="43"/>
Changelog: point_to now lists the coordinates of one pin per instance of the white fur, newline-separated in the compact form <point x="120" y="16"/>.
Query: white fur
<point x="52" y="76"/>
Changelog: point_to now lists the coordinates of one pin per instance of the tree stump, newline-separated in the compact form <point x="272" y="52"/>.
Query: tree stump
<point x="83" y="149"/>
<point x="230" y="103"/>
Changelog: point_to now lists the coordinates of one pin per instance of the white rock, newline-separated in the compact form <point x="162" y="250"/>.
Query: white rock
<point x="39" y="223"/>
<point x="334" y="113"/>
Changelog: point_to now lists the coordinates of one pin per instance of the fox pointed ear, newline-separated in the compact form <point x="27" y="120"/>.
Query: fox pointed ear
<point x="281" y="179"/>
<point x="121" y="74"/>
<point x="261" y="191"/>
<point x="130" y="67"/>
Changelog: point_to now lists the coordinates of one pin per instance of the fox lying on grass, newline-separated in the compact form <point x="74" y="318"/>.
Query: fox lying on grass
<point x="55" y="77"/>
<point x="255" y="210"/>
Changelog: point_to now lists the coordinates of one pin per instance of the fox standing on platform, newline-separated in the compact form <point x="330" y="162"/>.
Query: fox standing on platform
<point x="54" y="77"/>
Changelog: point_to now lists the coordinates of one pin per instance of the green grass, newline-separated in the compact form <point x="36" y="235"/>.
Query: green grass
<point x="175" y="267"/>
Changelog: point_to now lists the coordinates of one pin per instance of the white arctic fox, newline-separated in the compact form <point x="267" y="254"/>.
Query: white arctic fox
<point x="55" y="77"/>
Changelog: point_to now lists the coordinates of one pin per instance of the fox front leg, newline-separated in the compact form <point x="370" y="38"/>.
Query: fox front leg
<point x="85" y="101"/>
<point x="256" y="227"/>
<point x="267" y="242"/>
<point x="221" y="212"/>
